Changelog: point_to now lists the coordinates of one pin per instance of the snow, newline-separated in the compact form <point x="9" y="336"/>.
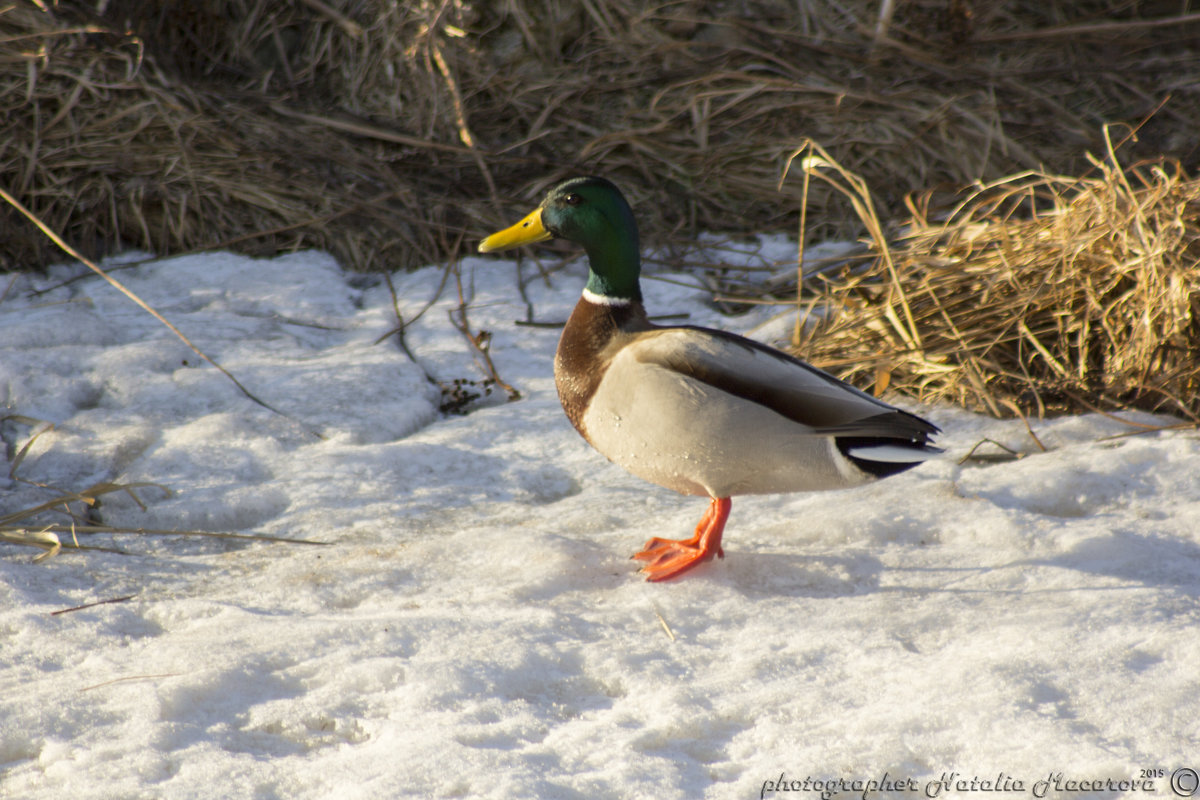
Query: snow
<point x="474" y="626"/>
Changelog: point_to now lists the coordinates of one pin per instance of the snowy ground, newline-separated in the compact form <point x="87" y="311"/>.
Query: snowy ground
<point x="475" y="628"/>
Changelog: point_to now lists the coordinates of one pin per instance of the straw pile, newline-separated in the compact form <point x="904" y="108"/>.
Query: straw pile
<point x="389" y="132"/>
<point x="1038" y="294"/>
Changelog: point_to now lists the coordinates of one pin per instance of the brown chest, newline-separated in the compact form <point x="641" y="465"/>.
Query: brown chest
<point x="590" y="340"/>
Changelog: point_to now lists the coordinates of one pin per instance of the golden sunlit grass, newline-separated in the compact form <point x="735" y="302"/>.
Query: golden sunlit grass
<point x="1035" y="294"/>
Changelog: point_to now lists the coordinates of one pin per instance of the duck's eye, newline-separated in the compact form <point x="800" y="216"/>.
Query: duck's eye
<point x="573" y="199"/>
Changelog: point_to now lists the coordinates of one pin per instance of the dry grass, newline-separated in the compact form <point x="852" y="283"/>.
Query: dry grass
<point x="1036" y="294"/>
<point x="389" y="132"/>
<point x="58" y="522"/>
<point x="394" y="134"/>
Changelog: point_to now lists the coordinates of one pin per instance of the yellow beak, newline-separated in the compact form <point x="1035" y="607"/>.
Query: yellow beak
<point x="526" y="231"/>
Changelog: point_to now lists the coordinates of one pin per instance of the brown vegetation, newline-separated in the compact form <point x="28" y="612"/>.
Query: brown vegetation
<point x="389" y="132"/>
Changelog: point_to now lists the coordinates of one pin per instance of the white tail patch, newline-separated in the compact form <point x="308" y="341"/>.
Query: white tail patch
<point x="893" y="453"/>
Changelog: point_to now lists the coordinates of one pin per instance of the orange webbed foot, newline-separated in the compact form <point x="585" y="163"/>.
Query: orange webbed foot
<point x="671" y="557"/>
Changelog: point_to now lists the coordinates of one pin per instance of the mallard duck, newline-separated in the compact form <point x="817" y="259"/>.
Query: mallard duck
<point x="697" y="410"/>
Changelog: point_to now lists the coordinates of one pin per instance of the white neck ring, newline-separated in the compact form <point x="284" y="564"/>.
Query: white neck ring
<point x="604" y="300"/>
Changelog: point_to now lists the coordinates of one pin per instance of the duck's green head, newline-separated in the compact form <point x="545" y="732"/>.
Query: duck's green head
<point x="593" y="213"/>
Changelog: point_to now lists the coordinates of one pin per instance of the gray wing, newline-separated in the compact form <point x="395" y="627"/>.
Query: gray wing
<point x="784" y="384"/>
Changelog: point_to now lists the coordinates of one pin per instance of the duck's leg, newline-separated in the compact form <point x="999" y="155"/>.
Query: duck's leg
<point x="670" y="557"/>
<point x="655" y="546"/>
